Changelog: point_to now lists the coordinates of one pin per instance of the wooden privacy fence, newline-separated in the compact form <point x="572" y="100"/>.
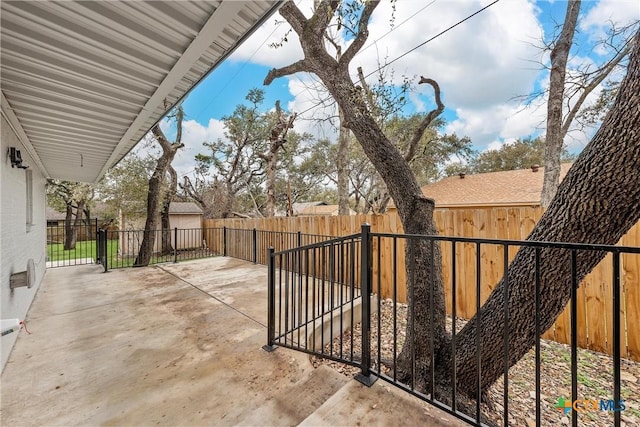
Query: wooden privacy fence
<point x="594" y="297"/>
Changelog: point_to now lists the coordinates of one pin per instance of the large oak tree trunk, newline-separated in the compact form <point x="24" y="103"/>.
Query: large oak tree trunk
<point x="70" y="236"/>
<point x="597" y="202"/>
<point x="157" y="191"/>
<point x="425" y="288"/>
<point x="154" y="202"/>
<point x="171" y="190"/>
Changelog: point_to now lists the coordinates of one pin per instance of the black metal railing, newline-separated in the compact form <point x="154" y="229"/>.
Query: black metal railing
<point x="63" y="249"/>
<point x="314" y="297"/>
<point x="303" y="316"/>
<point x="121" y="247"/>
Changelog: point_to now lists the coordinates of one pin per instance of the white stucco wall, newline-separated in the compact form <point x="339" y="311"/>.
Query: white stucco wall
<point x="17" y="244"/>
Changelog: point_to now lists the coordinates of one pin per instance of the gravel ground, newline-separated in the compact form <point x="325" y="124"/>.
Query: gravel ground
<point x="595" y="377"/>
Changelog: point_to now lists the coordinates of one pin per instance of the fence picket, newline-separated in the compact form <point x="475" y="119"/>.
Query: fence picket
<point x="515" y="223"/>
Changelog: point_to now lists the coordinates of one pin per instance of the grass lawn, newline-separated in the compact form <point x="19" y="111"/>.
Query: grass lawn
<point x="83" y="249"/>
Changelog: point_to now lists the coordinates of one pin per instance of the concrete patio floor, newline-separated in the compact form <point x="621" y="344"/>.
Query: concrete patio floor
<point x="177" y="344"/>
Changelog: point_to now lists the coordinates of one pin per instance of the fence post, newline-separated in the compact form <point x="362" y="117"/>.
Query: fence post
<point x="271" y="301"/>
<point x="299" y="238"/>
<point x="255" y="245"/>
<point x="175" y="244"/>
<point x="102" y="243"/>
<point x="224" y="241"/>
<point x="365" y="376"/>
<point x="98" y="247"/>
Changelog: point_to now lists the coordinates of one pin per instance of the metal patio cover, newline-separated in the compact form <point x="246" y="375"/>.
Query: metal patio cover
<point x="84" y="81"/>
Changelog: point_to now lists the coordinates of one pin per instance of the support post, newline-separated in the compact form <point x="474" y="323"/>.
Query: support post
<point x="98" y="247"/>
<point x="175" y="244"/>
<point x="224" y="241"/>
<point x="102" y="242"/>
<point x="255" y="246"/>
<point x="365" y="376"/>
<point x="271" y="301"/>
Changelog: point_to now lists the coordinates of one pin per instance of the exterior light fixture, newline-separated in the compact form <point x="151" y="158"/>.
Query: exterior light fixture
<point x="16" y="158"/>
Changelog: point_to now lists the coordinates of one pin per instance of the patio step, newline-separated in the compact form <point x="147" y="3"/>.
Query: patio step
<point x="381" y="404"/>
<point x="294" y="404"/>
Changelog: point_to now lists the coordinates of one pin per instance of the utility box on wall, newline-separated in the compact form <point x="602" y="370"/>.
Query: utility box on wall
<point x="24" y="278"/>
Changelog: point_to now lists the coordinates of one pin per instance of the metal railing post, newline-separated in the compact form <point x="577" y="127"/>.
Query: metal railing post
<point x="102" y="242"/>
<point x="299" y="238"/>
<point x="271" y="301"/>
<point x="255" y="246"/>
<point x="175" y="244"/>
<point x="97" y="245"/>
<point x="224" y="241"/>
<point x="365" y="376"/>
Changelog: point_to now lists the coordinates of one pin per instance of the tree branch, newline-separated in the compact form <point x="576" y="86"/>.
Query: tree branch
<point x="413" y="144"/>
<point x="363" y="33"/>
<point x="179" y="119"/>
<point x="322" y="16"/>
<point x="188" y="187"/>
<point x="290" y="12"/>
<point x="162" y="140"/>
<point x="604" y="72"/>
<point x="296" y="67"/>
<point x="371" y="104"/>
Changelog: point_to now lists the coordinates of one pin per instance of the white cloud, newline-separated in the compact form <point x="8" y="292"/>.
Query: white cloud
<point x="605" y="12"/>
<point x="481" y="65"/>
<point x="193" y="135"/>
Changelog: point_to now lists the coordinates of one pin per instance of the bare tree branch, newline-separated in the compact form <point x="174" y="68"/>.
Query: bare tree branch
<point x="604" y="72"/>
<point x="294" y="17"/>
<point x="296" y="67"/>
<point x="371" y="103"/>
<point x="179" y="119"/>
<point x="363" y="33"/>
<point x="191" y="191"/>
<point x="322" y="16"/>
<point x="413" y="144"/>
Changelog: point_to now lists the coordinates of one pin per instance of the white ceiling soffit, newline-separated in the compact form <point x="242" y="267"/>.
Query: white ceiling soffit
<point x="84" y="81"/>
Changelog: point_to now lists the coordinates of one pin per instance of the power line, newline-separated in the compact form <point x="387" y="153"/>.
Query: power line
<point x="373" y="43"/>
<point x="412" y="49"/>
<point x="438" y="35"/>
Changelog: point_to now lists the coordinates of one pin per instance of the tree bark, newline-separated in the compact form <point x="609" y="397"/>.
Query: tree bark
<point x="554" y="136"/>
<point x="156" y="194"/>
<point x="341" y="167"/>
<point x="425" y="288"/>
<point x="597" y="202"/>
<point x="276" y="143"/>
<point x="170" y="192"/>
<point x="69" y="230"/>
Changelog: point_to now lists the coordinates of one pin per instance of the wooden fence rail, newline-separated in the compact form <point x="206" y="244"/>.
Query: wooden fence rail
<point x="595" y="317"/>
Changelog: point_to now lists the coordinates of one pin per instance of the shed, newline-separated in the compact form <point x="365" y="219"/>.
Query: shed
<point x="185" y="216"/>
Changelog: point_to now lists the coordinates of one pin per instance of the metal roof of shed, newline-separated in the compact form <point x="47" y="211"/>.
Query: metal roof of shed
<point x="83" y="81"/>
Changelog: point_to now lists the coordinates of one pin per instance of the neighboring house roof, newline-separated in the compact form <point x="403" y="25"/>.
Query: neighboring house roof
<point x="323" y="210"/>
<point x="516" y="187"/>
<point x="299" y="207"/>
<point x="98" y="210"/>
<point x="185" y="208"/>
<point x="54" y="215"/>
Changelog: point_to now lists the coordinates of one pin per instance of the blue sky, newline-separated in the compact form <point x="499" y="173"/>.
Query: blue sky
<point x="482" y="66"/>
